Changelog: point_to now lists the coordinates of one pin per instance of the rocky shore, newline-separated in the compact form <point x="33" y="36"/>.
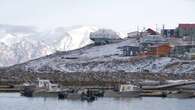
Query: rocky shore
<point x="14" y="75"/>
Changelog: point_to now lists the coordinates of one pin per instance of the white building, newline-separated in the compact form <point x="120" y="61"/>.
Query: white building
<point x="104" y="36"/>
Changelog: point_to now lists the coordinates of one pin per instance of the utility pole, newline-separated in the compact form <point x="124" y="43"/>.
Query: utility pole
<point x="156" y="27"/>
<point x="163" y="30"/>
<point x="137" y="30"/>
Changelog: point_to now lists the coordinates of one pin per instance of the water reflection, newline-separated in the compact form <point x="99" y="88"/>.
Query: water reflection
<point x="13" y="101"/>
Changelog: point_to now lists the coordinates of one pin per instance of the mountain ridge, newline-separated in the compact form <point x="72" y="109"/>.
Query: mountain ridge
<point x="19" y="44"/>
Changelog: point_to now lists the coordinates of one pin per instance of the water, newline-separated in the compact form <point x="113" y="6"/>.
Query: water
<point x="13" y="101"/>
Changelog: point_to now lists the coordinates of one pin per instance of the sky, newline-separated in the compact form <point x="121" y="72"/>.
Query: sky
<point x="119" y="15"/>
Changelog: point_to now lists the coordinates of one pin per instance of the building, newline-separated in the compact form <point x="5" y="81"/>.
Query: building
<point x="152" y="40"/>
<point x="147" y="32"/>
<point x="130" y="50"/>
<point x="169" y="33"/>
<point x="187" y="30"/>
<point x="191" y="54"/>
<point x="158" y="50"/>
<point x="154" y="45"/>
<point x="104" y="36"/>
<point x="151" y="32"/>
<point x="182" y="51"/>
<point x="133" y="34"/>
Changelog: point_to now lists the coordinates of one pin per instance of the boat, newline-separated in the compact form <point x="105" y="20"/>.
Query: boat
<point x="124" y="90"/>
<point x="72" y="94"/>
<point x="41" y="88"/>
<point x="88" y="98"/>
<point x="180" y="94"/>
<point x="81" y="94"/>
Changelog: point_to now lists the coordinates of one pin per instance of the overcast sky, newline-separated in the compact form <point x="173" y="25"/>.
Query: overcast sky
<point x="120" y="15"/>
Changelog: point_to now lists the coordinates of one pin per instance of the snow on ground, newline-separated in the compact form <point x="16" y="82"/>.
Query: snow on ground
<point x="108" y="58"/>
<point x="105" y="50"/>
<point x="83" y="55"/>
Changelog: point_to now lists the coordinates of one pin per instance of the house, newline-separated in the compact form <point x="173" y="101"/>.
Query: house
<point x="147" y="32"/>
<point x="133" y="34"/>
<point x="182" y="51"/>
<point x="191" y="54"/>
<point x="169" y="33"/>
<point x="186" y="30"/>
<point x="104" y="36"/>
<point x="154" y="45"/>
<point x="179" y="42"/>
<point x="186" y="26"/>
<point x="130" y="50"/>
<point x="158" y="50"/>
<point x="152" y="40"/>
<point x="151" y="32"/>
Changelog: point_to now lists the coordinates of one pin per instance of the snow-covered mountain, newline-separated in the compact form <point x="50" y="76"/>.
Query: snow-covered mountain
<point x="22" y="43"/>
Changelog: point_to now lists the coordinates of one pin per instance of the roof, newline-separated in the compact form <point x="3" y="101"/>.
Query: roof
<point x="185" y="45"/>
<point x="179" y="41"/>
<point x="187" y="26"/>
<point x="128" y="47"/>
<point x="133" y="34"/>
<point x="159" y="45"/>
<point x="105" y="34"/>
<point x="153" y="39"/>
<point x="152" y="32"/>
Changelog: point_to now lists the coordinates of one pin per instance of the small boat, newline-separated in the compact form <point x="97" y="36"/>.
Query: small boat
<point x="124" y="90"/>
<point x="72" y="94"/>
<point x="81" y="94"/>
<point x="180" y="94"/>
<point x="42" y="88"/>
<point x="87" y="98"/>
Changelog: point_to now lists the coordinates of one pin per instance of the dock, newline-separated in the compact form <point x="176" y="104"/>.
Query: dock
<point x="163" y="90"/>
<point x="9" y="88"/>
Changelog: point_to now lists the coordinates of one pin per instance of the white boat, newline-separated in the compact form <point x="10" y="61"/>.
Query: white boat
<point x="124" y="90"/>
<point x="41" y="88"/>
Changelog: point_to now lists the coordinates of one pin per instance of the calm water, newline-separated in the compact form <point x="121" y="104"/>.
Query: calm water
<point x="13" y="101"/>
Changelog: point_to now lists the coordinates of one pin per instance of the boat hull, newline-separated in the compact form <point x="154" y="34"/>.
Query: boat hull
<point x="33" y="92"/>
<point x="182" y="94"/>
<point x="110" y="93"/>
<point x="45" y="94"/>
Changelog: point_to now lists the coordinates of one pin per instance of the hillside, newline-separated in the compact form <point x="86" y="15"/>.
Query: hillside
<point x="95" y="64"/>
<point x="106" y="58"/>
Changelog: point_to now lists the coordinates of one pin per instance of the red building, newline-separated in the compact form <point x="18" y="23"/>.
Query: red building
<point x="186" y="26"/>
<point x="187" y="30"/>
<point x="161" y="50"/>
<point x="158" y="50"/>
